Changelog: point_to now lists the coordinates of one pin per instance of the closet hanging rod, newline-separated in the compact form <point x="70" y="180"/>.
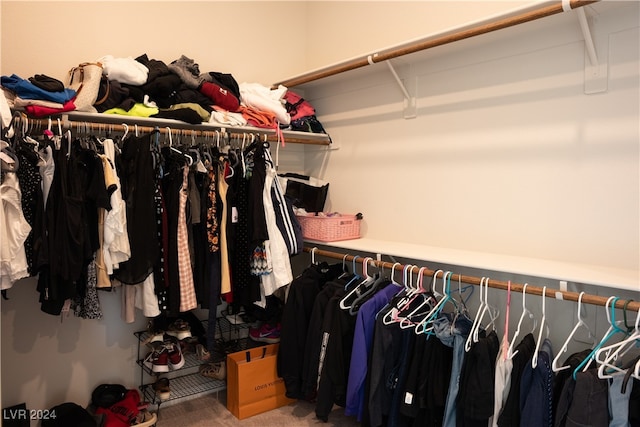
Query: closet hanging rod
<point x="181" y="129"/>
<point x="497" y="284"/>
<point x="463" y="32"/>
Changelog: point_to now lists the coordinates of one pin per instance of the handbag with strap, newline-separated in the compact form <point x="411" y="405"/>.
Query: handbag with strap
<point x="85" y="80"/>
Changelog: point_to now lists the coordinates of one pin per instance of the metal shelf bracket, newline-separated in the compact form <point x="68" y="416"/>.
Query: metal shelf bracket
<point x="595" y="66"/>
<point x="409" y="102"/>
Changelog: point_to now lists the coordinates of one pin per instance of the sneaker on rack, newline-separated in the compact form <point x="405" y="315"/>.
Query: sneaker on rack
<point x="153" y="334"/>
<point x="179" y="329"/>
<point x="174" y="353"/>
<point x="214" y="370"/>
<point x="202" y="353"/>
<point x="265" y="333"/>
<point x="235" y="316"/>
<point x="189" y="345"/>
<point x="157" y="360"/>
<point x="161" y="388"/>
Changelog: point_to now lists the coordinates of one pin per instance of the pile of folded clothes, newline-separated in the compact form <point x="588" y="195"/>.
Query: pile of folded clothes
<point x="147" y="87"/>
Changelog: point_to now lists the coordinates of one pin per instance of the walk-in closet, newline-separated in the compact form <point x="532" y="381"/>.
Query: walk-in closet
<point x="485" y="155"/>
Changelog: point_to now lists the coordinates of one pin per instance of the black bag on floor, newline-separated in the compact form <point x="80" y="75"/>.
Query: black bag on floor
<point x="105" y="395"/>
<point x="69" y="414"/>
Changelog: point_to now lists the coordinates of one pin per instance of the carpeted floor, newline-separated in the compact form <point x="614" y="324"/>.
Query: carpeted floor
<point x="210" y="411"/>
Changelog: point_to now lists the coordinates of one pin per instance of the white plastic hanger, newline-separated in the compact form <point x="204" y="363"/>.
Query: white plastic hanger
<point x="347" y="301"/>
<point x="356" y="276"/>
<point x="616" y="351"/>
<point x="487" y="308"/>
<point x="405" y="320"/>
<point x="423" y="326"/>
<point x="525" y="312"/>
<point x="126" y="131"/>
<point x="414" y="293"/>
<point x="371" y="288"/>
<point x="345" y="272"/>
<point x="614" y="328"/>
<point x="68" y="136"/>
<point x="171" y="147"/>
<point x="409" y="294"/>
<point x="469" y="341"/>
<point x="543" y="326"/>
<point x="393" y="270"/>
<point x="581" y="324"/>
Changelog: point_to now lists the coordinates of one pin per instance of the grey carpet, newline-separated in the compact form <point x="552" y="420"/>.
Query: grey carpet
<point x="210" y="411"/>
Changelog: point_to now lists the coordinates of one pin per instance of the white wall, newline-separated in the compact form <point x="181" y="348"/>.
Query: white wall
<point x="507" y="155"/>
<point x="47" y="360"/>
<point x="339" y="30"/>
<point x="250" y="39"/>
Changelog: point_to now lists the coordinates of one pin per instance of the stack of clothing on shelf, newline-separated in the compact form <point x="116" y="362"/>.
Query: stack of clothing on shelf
<point x="145" y="87"/>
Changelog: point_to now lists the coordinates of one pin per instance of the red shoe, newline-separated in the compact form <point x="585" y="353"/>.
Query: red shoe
<point x="157" y="360"/>
<point x="174" y="354"/>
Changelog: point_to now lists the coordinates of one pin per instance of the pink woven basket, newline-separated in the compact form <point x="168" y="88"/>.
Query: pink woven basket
<point x="329" y="229"/>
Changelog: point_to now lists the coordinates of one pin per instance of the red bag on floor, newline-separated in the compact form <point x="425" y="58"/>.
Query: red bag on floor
<point x="122" y="413"/>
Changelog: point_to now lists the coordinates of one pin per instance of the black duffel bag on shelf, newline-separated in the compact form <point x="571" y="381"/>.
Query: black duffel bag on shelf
<point x="304" y="191"/>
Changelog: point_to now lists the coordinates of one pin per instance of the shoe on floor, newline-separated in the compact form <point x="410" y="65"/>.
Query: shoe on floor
<point x="265" y="333"/>
<point x="145" y="419"/>
<point x="215" y="370"/>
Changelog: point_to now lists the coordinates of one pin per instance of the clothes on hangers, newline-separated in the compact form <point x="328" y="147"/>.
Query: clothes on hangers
<point x="116" y="248"/>
<point x="14" y="230"/>
<point x="583" y="401"/>
<point x="315" y="347"/>
<point x="296" y="316"/>
<point x="138" y="191"/>
<point x="30" y="183"/>
<point x="510" y="414"/>
<point x="362" y="344"/>
<point x="476" y="394"/>
<point x="426" y="378"/>
<point x="87" y="181"/>
<point x="68" y="236"/>
<point x="536" y="388"/>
